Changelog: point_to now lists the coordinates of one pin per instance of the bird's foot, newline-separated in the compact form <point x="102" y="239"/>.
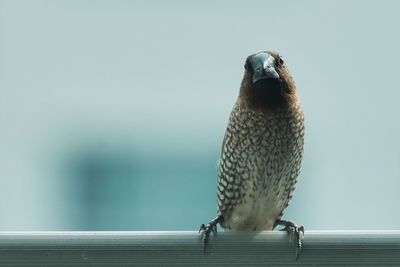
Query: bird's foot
<point x="206" y="230"/>
<point x="296" y="232"/>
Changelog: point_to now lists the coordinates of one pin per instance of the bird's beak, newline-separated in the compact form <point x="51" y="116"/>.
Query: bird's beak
<point x="263" y="65"/>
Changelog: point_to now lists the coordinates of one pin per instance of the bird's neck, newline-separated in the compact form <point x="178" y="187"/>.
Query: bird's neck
<point x="268" y="96"/>
<point x="267" y="102"/>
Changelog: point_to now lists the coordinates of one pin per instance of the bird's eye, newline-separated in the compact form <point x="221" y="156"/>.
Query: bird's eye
<point x="247" y="66"/>
<point x="280" y="61"/>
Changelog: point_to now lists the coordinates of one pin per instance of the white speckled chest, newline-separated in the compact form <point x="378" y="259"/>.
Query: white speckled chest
<point x="260" y="162"/>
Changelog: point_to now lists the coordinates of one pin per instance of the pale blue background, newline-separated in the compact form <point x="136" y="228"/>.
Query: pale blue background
<point x="112" y="113"/>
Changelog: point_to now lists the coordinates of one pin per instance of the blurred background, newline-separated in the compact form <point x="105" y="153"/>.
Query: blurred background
<point x="112" y="113"/>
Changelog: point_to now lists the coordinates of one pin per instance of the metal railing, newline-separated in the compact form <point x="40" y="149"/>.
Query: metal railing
<point x="320" y="248"/>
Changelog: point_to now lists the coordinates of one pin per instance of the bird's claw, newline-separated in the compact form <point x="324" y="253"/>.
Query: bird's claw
<point x="295" y="232"/>
<point x="206" y="230"/>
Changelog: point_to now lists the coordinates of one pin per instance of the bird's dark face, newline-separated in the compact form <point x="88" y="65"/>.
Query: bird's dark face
<point x="261" y="66"/>
<point x="266" y="82"/>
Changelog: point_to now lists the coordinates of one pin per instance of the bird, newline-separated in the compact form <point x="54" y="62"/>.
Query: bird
<point x="262" y="151"/>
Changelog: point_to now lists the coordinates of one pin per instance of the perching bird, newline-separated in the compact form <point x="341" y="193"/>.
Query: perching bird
<point x="262" y="151"/>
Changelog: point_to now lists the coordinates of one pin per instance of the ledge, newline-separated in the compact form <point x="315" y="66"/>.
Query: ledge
<point x="363" y="248"/>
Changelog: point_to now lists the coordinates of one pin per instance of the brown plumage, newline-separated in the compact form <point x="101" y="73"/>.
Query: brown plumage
<point x="262" y="149"/>
<point x="283" y="94"/>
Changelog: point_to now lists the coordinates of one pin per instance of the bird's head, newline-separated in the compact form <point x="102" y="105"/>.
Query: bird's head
<point x="266" y="82"/>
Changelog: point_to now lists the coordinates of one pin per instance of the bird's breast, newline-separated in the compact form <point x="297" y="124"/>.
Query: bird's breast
<point x="260" y="158"/>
